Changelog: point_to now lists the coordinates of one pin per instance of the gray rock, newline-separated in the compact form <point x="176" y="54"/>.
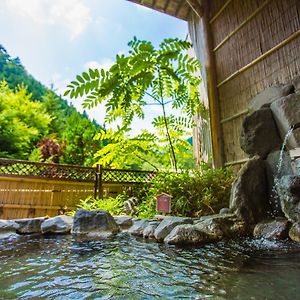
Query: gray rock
<point x="288" y="188"/>
<point x="97" y="223"/>
<point x="30" y="225"/>
<point x="278" y="164"/>
<point x="224" y="211"/>
<point x="149" y="230"/>
<point x="259" y="133"/>
<point x="124" y="221"/>
<point x="206" y="230"/>
<point x="266" y="97"/>
<point x="58" y="224"/>
<point x="10" y="236"/>
<point x="296" y="84"/>
<point x="223" y="225"/>
<point x="188" y="234"/>
<point x="286" y="112"/>
<point x="138" y="227"/>
<point x="249" y="193"/>
<point x="272" y="230"/>
<point x="166" y="226"/>
<point x="294" y="232"/>
<point x="8" y="226"/>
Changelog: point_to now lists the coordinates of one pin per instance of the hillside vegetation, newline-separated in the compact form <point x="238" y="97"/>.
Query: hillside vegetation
<point x="37" y="124"/>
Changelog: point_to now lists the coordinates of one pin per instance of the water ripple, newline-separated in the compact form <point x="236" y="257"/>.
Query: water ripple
<point x="128" y="268"/>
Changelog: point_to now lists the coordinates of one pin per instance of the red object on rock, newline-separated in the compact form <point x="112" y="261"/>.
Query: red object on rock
<point x="163" y="203"/>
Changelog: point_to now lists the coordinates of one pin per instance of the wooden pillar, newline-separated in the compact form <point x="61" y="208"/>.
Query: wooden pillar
<point x="214" y="106"/>
<point x="98" y="187"/>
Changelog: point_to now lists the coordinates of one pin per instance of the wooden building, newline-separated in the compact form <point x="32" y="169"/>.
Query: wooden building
<point x="244" y="46"/>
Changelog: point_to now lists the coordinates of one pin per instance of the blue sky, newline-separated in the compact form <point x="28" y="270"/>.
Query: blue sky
<point x="57" y="39"/>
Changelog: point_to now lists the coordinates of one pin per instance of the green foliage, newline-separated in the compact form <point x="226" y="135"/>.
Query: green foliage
<point x="195" y="193"/>
<point x="72" y="130"/>
<point x="113" y="205"/>
<point x="146" y="76"/>
<point x="22" y="122"/>
<point x="145" y="151"/>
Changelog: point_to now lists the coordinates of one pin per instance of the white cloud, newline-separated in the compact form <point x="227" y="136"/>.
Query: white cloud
<point x="104" y="63"/>
<point x="74" y="15"/>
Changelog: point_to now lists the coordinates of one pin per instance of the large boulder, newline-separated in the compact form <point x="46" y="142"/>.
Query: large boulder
<point x="30" y="225"/>
<point x="294" y="232"/>
<point x="124" y="221"/>
<point x="208" y="229"/>
<point x="58" y="224"/>
<point x="266" y="97"/>
<point x="286" y="112"/>
<point x="97" y="223"/>
<point x="259" y="134"/>
<point x="278" y="164"/>
<point x="272" y="229"/>
<point x="249" y="193"/>
<point x="288" y="188"/>
<point x="167" y="224"/>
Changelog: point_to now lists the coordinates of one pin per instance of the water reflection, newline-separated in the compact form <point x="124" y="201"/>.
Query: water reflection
<point x="128" y="268"/>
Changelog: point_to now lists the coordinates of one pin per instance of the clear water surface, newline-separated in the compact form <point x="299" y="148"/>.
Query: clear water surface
<point x="58" y="267"/>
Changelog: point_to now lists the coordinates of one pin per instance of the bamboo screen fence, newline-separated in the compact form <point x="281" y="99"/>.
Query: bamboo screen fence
<point x="29" y="189"/>
<point x="255" y="45"/>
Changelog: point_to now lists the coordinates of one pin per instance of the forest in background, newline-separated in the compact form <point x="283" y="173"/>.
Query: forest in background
<point x="36" y="124"/>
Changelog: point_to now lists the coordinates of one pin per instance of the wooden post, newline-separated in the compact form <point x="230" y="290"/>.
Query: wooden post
<point x="214" y="106"/>
<point x="100" y="182"/>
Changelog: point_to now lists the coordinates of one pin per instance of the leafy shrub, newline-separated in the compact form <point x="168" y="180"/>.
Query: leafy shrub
<point x="112" y="205"/>
<point x="197" y="192"/>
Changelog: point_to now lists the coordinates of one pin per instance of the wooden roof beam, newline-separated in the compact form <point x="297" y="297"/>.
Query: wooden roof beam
<point x="196" y="7"/>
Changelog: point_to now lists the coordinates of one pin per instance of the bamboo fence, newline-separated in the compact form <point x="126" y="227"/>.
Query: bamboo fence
<point x="29" y="189"/>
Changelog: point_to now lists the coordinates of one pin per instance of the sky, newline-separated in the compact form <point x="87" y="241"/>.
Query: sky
<point x="58" y="39"/>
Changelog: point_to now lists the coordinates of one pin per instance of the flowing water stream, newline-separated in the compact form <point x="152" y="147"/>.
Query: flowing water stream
<point x="126" y="267"/>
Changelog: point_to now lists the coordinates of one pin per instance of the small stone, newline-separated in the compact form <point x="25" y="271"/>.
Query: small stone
<point x="149" y="230"/>
<point x="224" y="211"/>
<point x="294" y="232"/>
<point x="138" y="227"/>
<point x="124" y="221"/>
<point x="272" y="230"/>
<point x="58" y="224"/>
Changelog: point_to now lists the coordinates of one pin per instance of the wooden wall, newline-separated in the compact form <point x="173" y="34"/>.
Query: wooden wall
<point x="256" y="44"/>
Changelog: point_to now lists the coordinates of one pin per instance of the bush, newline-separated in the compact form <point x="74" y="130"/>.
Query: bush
<point x="113" y="205"/>
<point x="195" y="193"/>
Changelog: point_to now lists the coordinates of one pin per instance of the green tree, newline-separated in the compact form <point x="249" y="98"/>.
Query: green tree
<point x="78" y="138"/>
<point x="146" y="76"/>
<point x="22" y="122"/>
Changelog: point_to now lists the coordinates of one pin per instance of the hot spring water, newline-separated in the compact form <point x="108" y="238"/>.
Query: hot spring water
<point x="125" y="267"/>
